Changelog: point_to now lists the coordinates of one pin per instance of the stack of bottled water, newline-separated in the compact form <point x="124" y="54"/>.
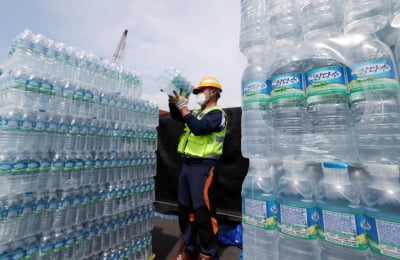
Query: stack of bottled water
<point x="77" y="156"/>
<point x="259" y="209"/>
<point x="287" y="81"/>
<point x="330" y="126"/>
<point x="297" y="212"/>
<point x="256" y="131"/>
<point x="173" y="82"/>
<point x="333" y="99"/>
<point x="340" y="214"/>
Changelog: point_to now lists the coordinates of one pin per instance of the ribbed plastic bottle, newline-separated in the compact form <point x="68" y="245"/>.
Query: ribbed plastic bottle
<point x="374" y="99"/>
<point x="297" y="215"/>
<point x="366" y="15"/>
<point x="330" y="134"/>
<point x="256" y="115"/>
<point x="321" y="18"/>
<point x="285" y="22"/>
<point x="382" y="205"/>
<point x="289" y="119"/>
<point x="342" y="233"/>
<point x="253" y="24"/>
<point x="260" y="235"/>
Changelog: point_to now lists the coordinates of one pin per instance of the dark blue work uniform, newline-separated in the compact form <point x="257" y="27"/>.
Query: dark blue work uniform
<point x="197" y="215"/>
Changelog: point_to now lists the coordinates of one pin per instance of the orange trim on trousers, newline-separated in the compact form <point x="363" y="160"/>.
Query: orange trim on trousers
<point x="207" y="199"/>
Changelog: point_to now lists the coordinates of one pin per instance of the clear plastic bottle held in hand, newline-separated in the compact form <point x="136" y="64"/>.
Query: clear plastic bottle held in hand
<point x="173" y="80"/>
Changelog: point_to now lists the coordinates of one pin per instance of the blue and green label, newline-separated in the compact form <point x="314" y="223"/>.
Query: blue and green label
<point x="372" y="75"/>
<point x="287" y="85"/>
<point x="343" y="229"/>
<point x="255" y="92"/>
<point x="298" y="221"/>
<point x="325" y="80"/>
<point x="260" y="213"/>
<point x="383" y="237"/>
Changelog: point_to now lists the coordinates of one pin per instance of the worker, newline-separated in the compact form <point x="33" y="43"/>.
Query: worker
<point x="200" y="146"/>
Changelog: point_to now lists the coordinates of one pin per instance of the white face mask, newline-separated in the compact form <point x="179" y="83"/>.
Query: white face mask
<point x="201" y="99"/>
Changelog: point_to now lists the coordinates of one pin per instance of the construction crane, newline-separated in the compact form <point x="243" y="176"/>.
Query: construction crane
<point x="119" y="53"/>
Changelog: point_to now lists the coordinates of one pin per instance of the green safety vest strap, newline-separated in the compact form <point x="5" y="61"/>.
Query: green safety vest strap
<point x="202" y="146"/>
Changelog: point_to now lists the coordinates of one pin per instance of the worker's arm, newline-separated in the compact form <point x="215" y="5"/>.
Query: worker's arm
<point x="175" y="113"/>
<point x="213" y="121"/>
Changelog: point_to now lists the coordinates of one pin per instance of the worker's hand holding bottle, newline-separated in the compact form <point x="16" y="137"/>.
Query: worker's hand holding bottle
<point x="180" y="99"/>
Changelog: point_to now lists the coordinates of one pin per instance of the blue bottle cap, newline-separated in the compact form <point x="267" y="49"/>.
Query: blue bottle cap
<point x="337" y="165"/>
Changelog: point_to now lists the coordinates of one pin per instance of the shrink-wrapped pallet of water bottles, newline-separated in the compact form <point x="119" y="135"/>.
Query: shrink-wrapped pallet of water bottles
<point x="77" y="155"/>
<point x="320" y="126"/>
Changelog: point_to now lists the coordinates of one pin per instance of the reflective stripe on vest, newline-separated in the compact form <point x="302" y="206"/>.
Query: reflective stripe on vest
<point x="202" y="146"/>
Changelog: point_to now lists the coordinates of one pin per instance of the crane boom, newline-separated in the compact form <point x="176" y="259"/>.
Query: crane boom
<point x="119" y="53"/>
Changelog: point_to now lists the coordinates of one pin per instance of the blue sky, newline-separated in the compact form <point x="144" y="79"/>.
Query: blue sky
<point x="198" y="37"/>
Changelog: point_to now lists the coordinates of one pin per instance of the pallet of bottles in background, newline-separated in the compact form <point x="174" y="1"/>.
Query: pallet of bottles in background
<point x="77" y="155"/>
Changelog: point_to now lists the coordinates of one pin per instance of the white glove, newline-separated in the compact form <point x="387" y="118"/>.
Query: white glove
<point x="182" y="102"/>
<point x="179" y="100"/>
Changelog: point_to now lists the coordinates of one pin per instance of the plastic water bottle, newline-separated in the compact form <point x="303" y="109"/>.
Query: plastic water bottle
<point x="321" y="18"/>
<point x="382" y="204"/>
<point x="253" y="25"/>
<point x="370" y="15"/>
<point x="46" y="246"/>
<point x="260" y="210"/>
<point x="31" y="247"/>
<point x="342" y="233"/>
<point x="256" y="116"/>
<point x="285" y="25"/>
<point x="330" y="135"/>
<point x="374" y="92"/>
<point x="19" y="51"/>
<point x="297" y="216"/>
<point x="288" y="106"/>
<point x="172" y="80"/>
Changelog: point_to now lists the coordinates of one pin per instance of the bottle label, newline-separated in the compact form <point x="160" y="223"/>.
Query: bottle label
<point x="326" y="80"/>
<point x="6" y="168"/>
<point x="19" y="254"/>
<point x="298" y="221"/>
<point x="69" y="165"/>
<point x="79" y="165"/>
<point x="47" y="88"/>
<point x="70" y="242"/>
<point x="41" y="126"/>
<point x="31" y="252"/>
<point x="45" y="166"/>
<point x="383" y="237"/>
<point x="59" y="246"/>
<point x="74" y="129"/>
<point x="343" y="229"/>
<point x="20" y="82"/>
<point x="260" y="213"/>
<point x="52" y="126"/>
<point x="87" y="96"/>
<point x="78" y="94"/>
<point x="62" y="128"/>
<point x="255" y="92"/>
<point x="371" y="75"/>
<point x="19" y="167"/>
<point x="34" y="85"/>
<point x="32" y="166"/>
<point x="47" y="249"/>
<point x="288" y="85"/>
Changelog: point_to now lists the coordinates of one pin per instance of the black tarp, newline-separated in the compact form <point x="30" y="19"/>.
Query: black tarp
<point x="230" y="171"/>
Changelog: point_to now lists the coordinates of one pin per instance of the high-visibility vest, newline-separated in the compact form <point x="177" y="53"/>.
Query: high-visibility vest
<point x="202" y="146"/>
